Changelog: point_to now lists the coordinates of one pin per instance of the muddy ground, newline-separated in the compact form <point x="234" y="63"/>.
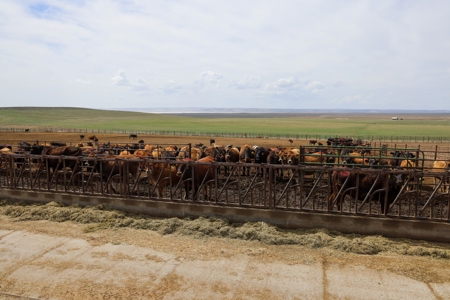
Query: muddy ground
<point x="68" y="259"/>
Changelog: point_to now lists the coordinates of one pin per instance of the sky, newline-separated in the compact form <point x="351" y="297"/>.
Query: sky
<point x="316" y="54"/>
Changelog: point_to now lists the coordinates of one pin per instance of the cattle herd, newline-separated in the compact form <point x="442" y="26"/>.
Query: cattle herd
<point x="337" y="169"/>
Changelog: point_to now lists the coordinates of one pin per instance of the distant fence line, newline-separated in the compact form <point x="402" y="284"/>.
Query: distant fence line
<point x="317" y="137"/>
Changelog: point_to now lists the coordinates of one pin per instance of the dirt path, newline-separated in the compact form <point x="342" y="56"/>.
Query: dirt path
<point x="47" y="260"/>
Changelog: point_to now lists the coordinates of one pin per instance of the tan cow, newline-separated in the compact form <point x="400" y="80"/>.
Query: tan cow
<point x="441" y="166"/>
<point x="162" y="175"/>
<point x="196" y="153"/>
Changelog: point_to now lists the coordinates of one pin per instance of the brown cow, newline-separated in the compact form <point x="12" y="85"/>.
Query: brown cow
<point x="56" y="163"/>
<point x="196" y="175"/>
<point x="365" y="184"/>
<point x="231" y="155"/>
<point x="217" y="153"/>
<point x="162" y="175"/>
<point x="123" y="166"/>
<point x="246" y="155"/>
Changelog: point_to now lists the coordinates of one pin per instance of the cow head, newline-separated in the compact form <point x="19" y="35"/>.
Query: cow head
<point x="183" y="167"/>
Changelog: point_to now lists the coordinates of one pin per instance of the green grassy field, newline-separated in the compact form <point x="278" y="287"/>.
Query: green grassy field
<point x="434" y="125"/>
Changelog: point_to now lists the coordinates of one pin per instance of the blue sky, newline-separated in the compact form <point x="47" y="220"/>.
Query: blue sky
<point x="232" y="54"/>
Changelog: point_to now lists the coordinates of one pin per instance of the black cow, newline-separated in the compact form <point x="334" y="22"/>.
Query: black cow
<point x="261" y="154"/>
<point x="24" y="147"/>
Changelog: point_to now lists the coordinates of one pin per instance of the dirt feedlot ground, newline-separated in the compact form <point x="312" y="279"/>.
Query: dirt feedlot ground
<point x="201" y="259"/>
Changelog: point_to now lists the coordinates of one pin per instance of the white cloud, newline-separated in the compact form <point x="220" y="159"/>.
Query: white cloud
<point x="140" y="85"/>
<point x="315" y="87"/>
<point x="120" y="79"/>
<point x="83" y="81"/>
<point x="249" y="82"/>
<point x="171" y="87"/>
<point x="292" y="85"/>
<point x="283" y="86"/>
<point x="209" y="77"/>
<point x="210" y="51"/>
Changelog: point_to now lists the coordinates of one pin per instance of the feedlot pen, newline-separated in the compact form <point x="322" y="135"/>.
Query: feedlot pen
<point x="421" y="193"/>
<point x="385" y="197"/>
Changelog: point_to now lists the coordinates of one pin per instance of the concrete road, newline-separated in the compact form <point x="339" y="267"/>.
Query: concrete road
<point x="41" y="266"/>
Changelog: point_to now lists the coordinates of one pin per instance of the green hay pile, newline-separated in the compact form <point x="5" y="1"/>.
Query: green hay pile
<point x="101" y="217"/>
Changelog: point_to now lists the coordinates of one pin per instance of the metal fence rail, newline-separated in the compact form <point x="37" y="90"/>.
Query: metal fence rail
<point x="416" y="193"/>
<point x="386" y="138"/>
